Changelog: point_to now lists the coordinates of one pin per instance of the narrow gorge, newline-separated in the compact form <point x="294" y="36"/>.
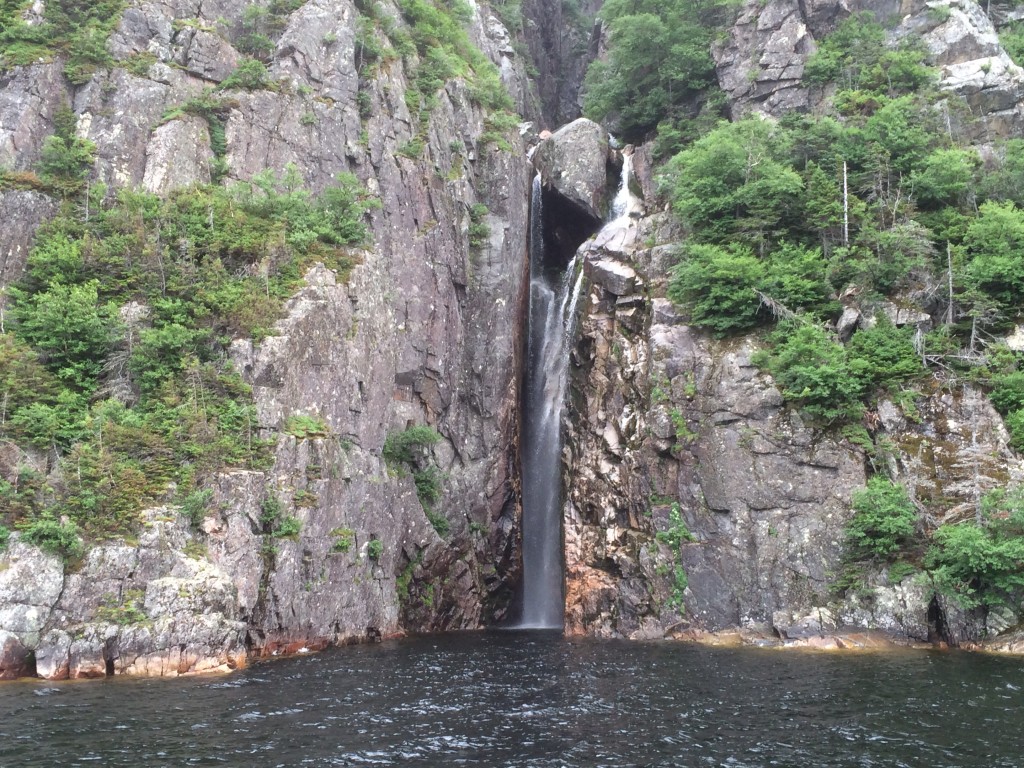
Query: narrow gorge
<point x="334" y="321"/>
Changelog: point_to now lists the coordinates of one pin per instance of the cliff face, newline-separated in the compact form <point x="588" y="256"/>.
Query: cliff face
<point x="424" y="331"/>
<point x="761" y="62"/>
<point x="696" y="500"/>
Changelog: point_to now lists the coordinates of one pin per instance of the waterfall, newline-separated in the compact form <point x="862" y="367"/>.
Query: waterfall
<point x="552" y="307"/>
<point x="624" y="200"/>
<point x="551" y="327"/>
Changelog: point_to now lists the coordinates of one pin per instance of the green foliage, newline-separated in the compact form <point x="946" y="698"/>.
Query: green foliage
<point x="125" y="611"/>
<point x="304" y="426"/>
<point x="994" y="245"/>
<point x="262" y="25"/>
<point x="680" y="582"/>
<point x="344" y="539"/>
<point x="436" y="48"/>
<point x="811" y="370"/>
<point x="428" y="485"/>
<point x="249" y="75"/>
<point x="478" y="229"/>
<point x="945" y="177"/>
<point x="883" y="356"/>
<point x="439" y="522"/>
<point x="797" y="277"/>
<point x="1011" y="37"/>
<point x="979" y="562"/>
<point x="71" y="329"/>
<point x="717" y="285"/>
<point x="75" y="29"/>
<point x="883" y="521"/>
<point x="194" y="505"/>
<point x="677" y="533"/>
<point x="128" y="404"/>
<point x="409" y="446"/>
<point x="140" y="63"/>
<point x="65" y="160"/>
<point x="1007" y="396"/>
<point x="374" y="549"/>
<point x="5" y="536"/>
<point x="674" y="537"/>
<point x="736" y="184"/>
<point x="659" y="61"/>
<point x="409" y="450"/>
<point x="53" y="536"/>
<point x="856" y="57"/>
<point x="275" y="522"/>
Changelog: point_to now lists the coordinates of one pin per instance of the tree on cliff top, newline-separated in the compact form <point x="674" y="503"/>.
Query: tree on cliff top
<point x="659" y="60"/>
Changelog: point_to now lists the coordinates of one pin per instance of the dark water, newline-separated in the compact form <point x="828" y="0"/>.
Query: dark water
<point x="535" y="699"/>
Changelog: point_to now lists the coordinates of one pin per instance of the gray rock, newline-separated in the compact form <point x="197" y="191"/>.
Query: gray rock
<point x="613" y="276"/>
<point x="166" y="167"/>
<point x="573" y="162"/>
<point x="22" y="211"/>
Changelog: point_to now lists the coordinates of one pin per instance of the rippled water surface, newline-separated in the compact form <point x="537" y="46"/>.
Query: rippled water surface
<point x="536" y="699"/>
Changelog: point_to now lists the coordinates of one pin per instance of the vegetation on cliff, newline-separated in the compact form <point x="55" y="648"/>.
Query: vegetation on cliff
<point x="113" y="358"/>
<point x="74" y="29"/>
<point x="882" y="203"/>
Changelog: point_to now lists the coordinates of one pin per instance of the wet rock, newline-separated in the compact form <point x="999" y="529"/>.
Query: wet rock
<point x="30" y="583"/>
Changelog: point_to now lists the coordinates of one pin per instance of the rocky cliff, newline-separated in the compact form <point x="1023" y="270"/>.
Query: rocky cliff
<point x="424" y="331"/>
<point x="696" y="499"/>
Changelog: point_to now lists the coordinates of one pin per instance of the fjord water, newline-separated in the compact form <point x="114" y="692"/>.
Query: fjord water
<point x="536" y="699"/>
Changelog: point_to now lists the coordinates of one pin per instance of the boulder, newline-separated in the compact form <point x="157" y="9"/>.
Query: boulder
<point x="574" y="163"/>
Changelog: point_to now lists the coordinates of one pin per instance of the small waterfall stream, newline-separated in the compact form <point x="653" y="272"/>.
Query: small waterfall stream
<point x="552" y="310"/>
<point x="554" y="293"/>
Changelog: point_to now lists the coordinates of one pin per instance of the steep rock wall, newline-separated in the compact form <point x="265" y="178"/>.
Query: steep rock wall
<point x="425" y="331"/>
<point x="697" y="501"/>
<point x="760" y="64"/>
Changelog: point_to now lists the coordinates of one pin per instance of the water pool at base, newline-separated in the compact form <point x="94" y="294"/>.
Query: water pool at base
<point x="536" y="699"/>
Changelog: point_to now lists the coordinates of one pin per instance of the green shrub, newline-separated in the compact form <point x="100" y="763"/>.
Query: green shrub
<point x="305" y="426"/>
<point x="717" y="285"/>
<point x="883" y="522"/>
<point x="994" y="243"/>
<point x="428" y="485"/>
<point x="249" y="75"/>
<point x="478" y="229"/>
<point x="65" y="160"/>
<point x="344" y="539"/>
<point x="883" y="355"/>
<point x="439" y="522"/>
<point x="856" y="56"/>
<point x="195" y="504"/>
<point x="132" y="406"/>
<point x="797" y="277"/>
<point x="53" y="536"/>
<point x="374" y="549"/>
<point x="72" y="28"/>
<point x="5" y="536"/>
<point x="634" y="85"/>
<point x="811" y="370"/>
<point x="736" y="184"/>
<point x="980" y="562"/>
<point x="126" y="611"/>
<point x="409" y="446"/>
<point x="677" y="533"/>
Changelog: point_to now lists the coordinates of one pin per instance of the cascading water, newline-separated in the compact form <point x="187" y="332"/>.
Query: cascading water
<point x="552" y="310"/>
<point x="554" y="293"/>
